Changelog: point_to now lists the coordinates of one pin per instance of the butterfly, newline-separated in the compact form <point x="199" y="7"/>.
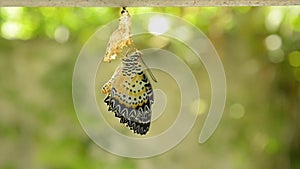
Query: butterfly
<point x="130" y="94"/>
<point x="120" y="38"/>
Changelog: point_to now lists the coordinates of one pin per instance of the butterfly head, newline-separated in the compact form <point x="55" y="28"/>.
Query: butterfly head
<point x="133" y="56"/>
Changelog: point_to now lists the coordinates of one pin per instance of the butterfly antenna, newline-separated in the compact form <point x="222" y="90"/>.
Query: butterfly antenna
<point x="149" y="71"/>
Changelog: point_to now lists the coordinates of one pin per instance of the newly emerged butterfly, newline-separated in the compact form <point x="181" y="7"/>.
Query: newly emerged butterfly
<point x="120" y="38"/>
<point x="130" y="94"/>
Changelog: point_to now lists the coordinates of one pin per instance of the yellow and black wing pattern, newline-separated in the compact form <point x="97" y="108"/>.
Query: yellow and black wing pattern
<point x="130" y="94"/>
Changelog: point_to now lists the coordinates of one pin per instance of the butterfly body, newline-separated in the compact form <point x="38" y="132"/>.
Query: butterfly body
<point x="130" y="94"/>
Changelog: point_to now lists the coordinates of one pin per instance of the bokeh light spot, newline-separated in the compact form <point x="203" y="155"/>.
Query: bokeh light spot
<point x="158" y="25"/>
<point x="273" y="42"/>
<point x="11" y="30"/>
<point x="276" y="56"/>
<point x="274" y="19"/>
<point x="203" y="107"/>
<point x="237" y="111"/>
<point x="12" y="13"/>
<point x="61" y="34"/>
<point x="294" y="59"/>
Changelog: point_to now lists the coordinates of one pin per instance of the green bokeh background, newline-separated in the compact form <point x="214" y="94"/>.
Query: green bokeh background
<point x="260" y="50"/>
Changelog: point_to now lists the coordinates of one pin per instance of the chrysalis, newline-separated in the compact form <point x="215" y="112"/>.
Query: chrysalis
<point x="120" y="38"/>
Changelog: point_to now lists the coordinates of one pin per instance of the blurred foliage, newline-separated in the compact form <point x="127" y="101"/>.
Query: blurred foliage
<point x="260" y="50"/>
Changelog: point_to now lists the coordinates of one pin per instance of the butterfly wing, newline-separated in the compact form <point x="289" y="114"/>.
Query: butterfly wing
<point x="131" y="97"/>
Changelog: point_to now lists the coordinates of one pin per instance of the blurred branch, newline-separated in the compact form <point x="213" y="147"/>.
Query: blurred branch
<point x="118" y="3"/>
